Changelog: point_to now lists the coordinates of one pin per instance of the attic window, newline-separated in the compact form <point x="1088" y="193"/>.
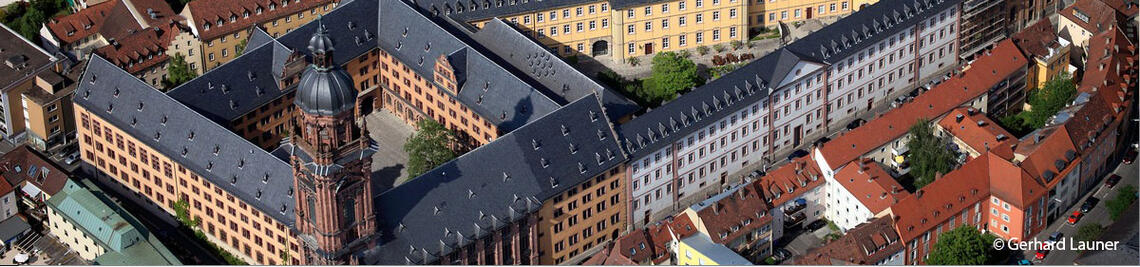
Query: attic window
<point x="427" y="47"/>
<point x="157" y="135"/>
<point x="163" y="120"/>
<point x="140" y="106"/>
<point x="110" y="108"/>
<point x="217" y="149"/>
<point x="94" y="77"/>
<point x="233" y="18"/>
<point x="265" y="179"/>
<point x="245" y="14"/>
<point x="405" y="34"/>
<point x="185" y="151"/>
<point x="209" y="166"/>
<point x="190" y="136"/>
<point x="258" y="195"/>
<point x="241" y="163"/>
<point x="233" y="179"/>
<point x="259" y="9"/>
<point x="115" y="93"/>
<point x="206" y="26"/>
<point x="351" y="25"/>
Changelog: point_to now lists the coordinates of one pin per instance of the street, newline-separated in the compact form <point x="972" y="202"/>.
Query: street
<point x="1098" y="214"/>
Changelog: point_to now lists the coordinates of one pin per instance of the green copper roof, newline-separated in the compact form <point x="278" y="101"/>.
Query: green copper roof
<point x="126" y="240"/>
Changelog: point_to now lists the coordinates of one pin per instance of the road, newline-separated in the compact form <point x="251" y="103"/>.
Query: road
<point x="1098" y="214"/>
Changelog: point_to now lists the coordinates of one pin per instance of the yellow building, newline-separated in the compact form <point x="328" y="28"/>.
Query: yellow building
<point x="768" y="14"/>
<point x="1048" y="53"/>
<point x="224" y="25"/>
<point x="699" y="249"/>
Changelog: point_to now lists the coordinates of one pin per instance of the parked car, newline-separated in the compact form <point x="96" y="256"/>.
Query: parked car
<point x="1089" y="204"/>
<point x="1075" y="217"/>
<point x="756" y="173"/>
<point x="1129" y="156"/>
<point x="855" y="124"/>
<point x="797" y="154"/>
<point x="1024" y="262"/>
<point x="817" y="224"/>
<point x="781" y="254"/>
<point x="71" y="159"/>
<point x="1040" y="255"/>
<point x="1112" y="180"/>
<point x="1056" y="236"/>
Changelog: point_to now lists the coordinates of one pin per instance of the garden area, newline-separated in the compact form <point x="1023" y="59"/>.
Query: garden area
<point x="1044" y="103"/>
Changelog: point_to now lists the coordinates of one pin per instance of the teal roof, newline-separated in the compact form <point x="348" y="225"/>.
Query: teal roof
<point x="126" y="240"/>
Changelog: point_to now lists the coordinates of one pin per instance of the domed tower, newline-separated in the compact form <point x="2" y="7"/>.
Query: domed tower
<point x="331" y="163"/>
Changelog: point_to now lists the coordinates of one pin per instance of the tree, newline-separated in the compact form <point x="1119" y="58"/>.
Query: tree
<point x="703" y="50"/>
<point x="964" y="246"/>
<point x="26" y="18"/>
<point x="928" y="154"/>
<point x="178" y="72"/>
<point x="671" y="74"/>
<point x="1119" y="204"/>
<point x="240" y="48"/>
<point x="429" y="147"/>
<point x="1044" y="103"/>
<point x="1089" y="231"/>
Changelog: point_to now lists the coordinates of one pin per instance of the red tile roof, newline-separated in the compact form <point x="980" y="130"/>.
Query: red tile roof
<point x="142" y="49"/>
<point x="974" y="128"/>
<point x="871" y="185"/>
<point x="1128" y="8"/>
<point x="790" y="181"/>
<point x="1092" y="15"/>
<point x="243" y="12"/>
<point x="745" y="205"/>
<point x="946" y="196"/>
<point x="866" y="244"/>
<point x="18" y="165"/>
<point x="985" y="72"/>
<point x="5" y="187"/>
<point x="112" y="19"/>
<point x="1037" y="39"/>
<point x="1012" y="184"/>
<point x="682" y="226"/>
<point x="1043" y="150"/>
<point x="1111" y="66"/>
<point x="635" y="246"/>
<point x="609" y="256"/>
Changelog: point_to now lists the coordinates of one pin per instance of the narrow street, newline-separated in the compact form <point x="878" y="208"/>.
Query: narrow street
<point x="1098" y="214"/>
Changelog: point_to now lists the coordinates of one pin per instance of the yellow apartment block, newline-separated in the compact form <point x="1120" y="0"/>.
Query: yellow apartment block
<point x="224" y="25"/>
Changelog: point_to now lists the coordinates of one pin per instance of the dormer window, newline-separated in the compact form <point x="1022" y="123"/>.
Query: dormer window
<point x="245" y="14"/>
<point x="206" y="26"/>
<point x="272" y="7"/>
<point x="233" y="18"/>
<point x="259" y="9"/>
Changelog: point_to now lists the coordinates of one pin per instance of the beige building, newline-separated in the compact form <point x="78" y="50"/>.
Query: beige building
<point x="223" y="26"/>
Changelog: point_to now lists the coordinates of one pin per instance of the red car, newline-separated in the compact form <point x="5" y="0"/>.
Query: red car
<point x="1129" y="156"/>
<point x="1112" y="181"/>
<point x="1040" y="255"/>
<point x="1076" y="216"/>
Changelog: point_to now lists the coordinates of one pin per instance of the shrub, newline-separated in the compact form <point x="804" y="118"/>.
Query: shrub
<point x="703" y="50"/>
<point x="718" y="47"/>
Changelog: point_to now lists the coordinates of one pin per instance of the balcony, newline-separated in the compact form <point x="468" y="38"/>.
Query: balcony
<point x="793" y="220"/>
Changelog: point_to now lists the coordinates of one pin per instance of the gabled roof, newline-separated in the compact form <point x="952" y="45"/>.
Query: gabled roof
<point x="635" y="246"/>
<point x="866" y="244"/>
<point x="142" y="49"/>
<point x="977" y="80"/>
<point x="610" y="256"/>
<point x="112" y="19"/>
<point x="1048" y="152"/>
<point x="1092" y="15"/>
<point x="974" y="128"/>
<point x="221" y="157"/>
<point x="23" y="164"/>
<point x="946" y="196"/>
<point x="1012" y="184"/>
<point x="466" y="199"/>
<point x="662" y="233"/>
<point x="243" y="12"/>
<point x="1038" y="40"/>
<point x="732" y="214"/>
<point x="871" y="185"/>
<point x="232" y="90"/>
<point x="558" y="80"/>
<point x="790" y="181"/>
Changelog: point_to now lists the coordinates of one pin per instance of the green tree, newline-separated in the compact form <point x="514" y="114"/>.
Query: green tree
<point x="1044" y="103"/>
<point x="964" y="246"/>
<point x="928" y="154"/>
<point x="26" y="18"/>
<point x="1119" y="205"/>
<point x="671" y="74"/>
<point x="178" y="72"/>
<point x="240" y="48"/>
<point x="429" y="147"/>
<point x="1089" y="231"/>
<point x="703" y="50"/>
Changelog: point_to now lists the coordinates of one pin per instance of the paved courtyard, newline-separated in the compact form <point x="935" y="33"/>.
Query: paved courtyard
<point x="388" y="164"/>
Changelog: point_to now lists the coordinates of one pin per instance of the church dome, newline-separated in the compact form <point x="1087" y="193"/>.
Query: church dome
<point x="325" y="92"/>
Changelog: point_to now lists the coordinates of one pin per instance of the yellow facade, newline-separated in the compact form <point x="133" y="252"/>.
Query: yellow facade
<point x="584" y="218"/>
<point x="1044" y="69"/>
<point x="698" y="249"/>
<point x="768" y="13"/>
<point x="222" y="49"/>
<point x="226" y="221"/>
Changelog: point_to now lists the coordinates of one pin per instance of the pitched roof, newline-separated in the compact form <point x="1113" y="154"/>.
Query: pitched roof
<point x="21" y="58"/>
<point x="231" y="91"/>
<point x="236" y="15"/>
<point x="980" y="76"/>
<point x="24" y="164"/>
<point x="869" y="26"/>
<point x="947" y="196"/>
<point x="225" y="159"/>
<point x="635" y="246"/>
<point x="142" y="49"/>
<point x="729" y="215"/>
<point x="466" y="199"/>
<point x="871" y="185"/>
<point x="790" y="181"/>
<point x="89" y="212"/>
<point x="111" y="19"/>
<point x="609" y="255"/>
<point x="715" y="252"/>
<point x="1038" y="40"/>
<point x="1127" y="8"/>
<point x="1048" y="152"/>
<point x="558" y="80"/>
<point x="662" y="233"/>
<point x="472" y="10"/>
<point x="974" y="128"/>
<point x="868" y="243"/>
<point x="1012" y="183"/>
<point x="1092" y="15"/>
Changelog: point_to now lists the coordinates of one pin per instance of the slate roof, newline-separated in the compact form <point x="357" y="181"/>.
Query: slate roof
<point x="230" y="91"/>
<point x="24" y="164"/>
<point x="209" y="12"/>
<point x="753" y="82"/>
<point x="26" y="58"/>
<point x="225" y="159"/>
<point x="466" y="198"/>
<point x="558" y="80"/>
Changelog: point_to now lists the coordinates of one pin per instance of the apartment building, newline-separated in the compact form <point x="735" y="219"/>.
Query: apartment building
<point x="145" y="52"/>
<point x="737" y="219"/>
<point x="973" y="132"/>
<point x="871" y="243"/>
<point x="223" y="26"/>
<point x="768" y="14"/>
<point x="983" y="23"/>
<point x="1048" y="53"/>
<point x="47" y="117"/>
<point x="22" y="59"/>
<point x="778" y="103"/>
<point x="699" y="249"/>
<point x="866" y="191"/>
<point x="99" y="25"/>
<point x="100" y="231"/>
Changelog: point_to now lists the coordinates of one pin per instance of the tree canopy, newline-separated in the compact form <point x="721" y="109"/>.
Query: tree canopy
<point x="1089" y="231"/>
<point x="1119" y="204"/>
<point x="964" y="246"/>
<point x="672" y="73"/>
<point x="429" y="147"/>
<point x="928" y="153"/>
<point x="178" y="72"/>
<point x="1044" y="102"/>
<point x="26" y="18"/>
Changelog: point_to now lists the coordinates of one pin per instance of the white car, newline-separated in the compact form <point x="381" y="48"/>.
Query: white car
<point x="71" y="159"/>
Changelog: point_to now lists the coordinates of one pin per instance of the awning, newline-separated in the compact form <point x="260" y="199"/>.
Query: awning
<point x="31" y="190"/>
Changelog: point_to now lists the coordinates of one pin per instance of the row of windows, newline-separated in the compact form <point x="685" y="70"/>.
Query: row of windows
<point x="681" y="21"/>
<point x="682" y="40"/>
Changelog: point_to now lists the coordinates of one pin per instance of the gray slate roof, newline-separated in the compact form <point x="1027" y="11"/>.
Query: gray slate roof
<point x="534" y="61"/>
<point x="188" y="138"/>
<point x="487" y="9"/>
<point x="753" y="82"/>
<point x="232" y="90"/>
<point x="470" y="198"/>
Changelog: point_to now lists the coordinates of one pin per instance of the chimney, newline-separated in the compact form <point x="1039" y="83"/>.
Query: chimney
<point x="918" y="194"/>
<point x="862" y="165"/>
<point x="894" y="189"/>
<point x="959" y="118"/>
